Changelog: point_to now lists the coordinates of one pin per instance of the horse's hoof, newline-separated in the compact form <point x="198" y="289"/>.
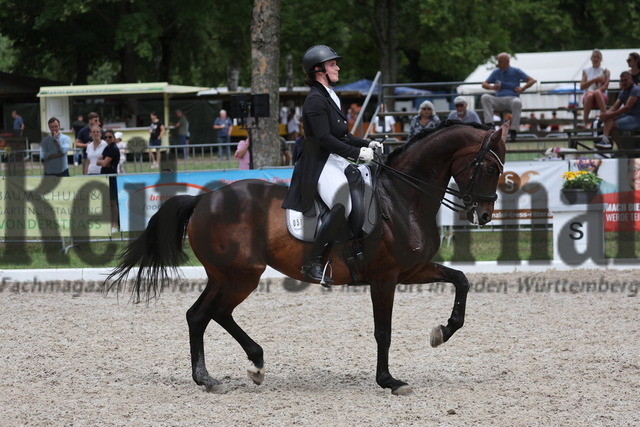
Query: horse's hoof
<point x="256" y="374"/>
<point x="403" y="390"/>
<point x="437" y="337"/>
<point x="214" y="386"/>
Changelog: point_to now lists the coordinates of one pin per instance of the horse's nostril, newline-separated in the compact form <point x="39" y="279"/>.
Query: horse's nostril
<point x="486" y="217"/>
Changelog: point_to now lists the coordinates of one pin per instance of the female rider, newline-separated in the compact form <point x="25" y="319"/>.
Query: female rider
<point x="328" y="149"/>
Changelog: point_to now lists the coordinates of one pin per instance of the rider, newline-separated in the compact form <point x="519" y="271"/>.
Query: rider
<point x="328" y="150"/>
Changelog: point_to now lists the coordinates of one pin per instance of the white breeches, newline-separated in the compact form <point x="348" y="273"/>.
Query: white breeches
<point x="333" y="186"/>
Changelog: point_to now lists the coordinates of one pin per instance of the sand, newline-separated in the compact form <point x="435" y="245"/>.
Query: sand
<point x="564" y="351"/>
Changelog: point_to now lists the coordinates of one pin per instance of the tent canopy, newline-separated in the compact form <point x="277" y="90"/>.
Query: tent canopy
<point x="551" y="68"/>
<point x="117" y="89"/>
<point x="364" y="85"/>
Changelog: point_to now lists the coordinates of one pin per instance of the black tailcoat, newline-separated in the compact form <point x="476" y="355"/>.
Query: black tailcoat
<point x="326" y="131"/>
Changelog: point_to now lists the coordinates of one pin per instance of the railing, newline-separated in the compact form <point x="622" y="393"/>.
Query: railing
<point x="527" y="146"/>
<point x="192" y="157"/>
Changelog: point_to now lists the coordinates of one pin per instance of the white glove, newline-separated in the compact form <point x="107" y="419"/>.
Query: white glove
<point x="366" y="154"/>
<point x="374" y="145"/>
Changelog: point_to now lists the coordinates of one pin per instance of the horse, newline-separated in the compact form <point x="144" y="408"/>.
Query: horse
<point x="239" y="229"/>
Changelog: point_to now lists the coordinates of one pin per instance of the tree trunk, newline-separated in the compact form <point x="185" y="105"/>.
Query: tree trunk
<point x="265" y="55"/>
<point x="387" y="33"/>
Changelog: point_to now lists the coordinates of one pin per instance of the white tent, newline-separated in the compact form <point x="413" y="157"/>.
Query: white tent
<point x="554" y="71"/>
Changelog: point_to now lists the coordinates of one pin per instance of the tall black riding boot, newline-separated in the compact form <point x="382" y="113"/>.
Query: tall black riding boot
<point x="313" y="268"/>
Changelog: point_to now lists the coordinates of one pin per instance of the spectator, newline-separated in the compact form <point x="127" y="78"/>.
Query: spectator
<point x="595" y="82"/>
<point x="285" y="152"/>
<point x="156" y="132"/>
<point x="542" y="124"/>
<point x="122" y="146"/>
<point x="554" y="127"/>
<point x="18" y="124"/>
<point x="78" y="124"/>
<point x="298" y="146"/>
<point x="84" y="137"/>
<point x="182" y="127"/>
<point x="426" y="119"/>
<point x="634" y="62"/>
<point x="388" y="122"/>
<point x="94" y="150"/>
<point x="53" y="150"/>
<point x="533" y="123"/>
<point x="243" y="154"/>
<point x="293" y="125"/>
<point x="108" y="162"/>
<point x="223" y="125"/>
<point x="624" y="114"/>
<point x="462" y="113"/>
<point x="505" y="80"/>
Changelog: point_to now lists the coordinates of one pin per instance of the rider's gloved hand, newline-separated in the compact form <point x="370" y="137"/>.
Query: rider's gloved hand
<point x="366" y="154"/>
<point x="374" y="145"/>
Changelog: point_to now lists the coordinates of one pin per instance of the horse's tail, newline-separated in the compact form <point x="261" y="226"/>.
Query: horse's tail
<point x="157" y="250"/>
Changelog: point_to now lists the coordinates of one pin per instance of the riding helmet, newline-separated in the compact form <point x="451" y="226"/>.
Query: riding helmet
<point x="316" y="55"/>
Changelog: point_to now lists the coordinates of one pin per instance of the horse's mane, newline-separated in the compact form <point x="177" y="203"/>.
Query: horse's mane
<point x="427" y="132"/>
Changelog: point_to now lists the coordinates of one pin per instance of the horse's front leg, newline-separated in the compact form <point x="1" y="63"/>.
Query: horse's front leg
<point x="442" y="333"/>
<point x="382" y="296"/>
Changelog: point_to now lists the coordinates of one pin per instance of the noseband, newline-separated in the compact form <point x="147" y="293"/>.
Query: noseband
<point x="469" y="198"/>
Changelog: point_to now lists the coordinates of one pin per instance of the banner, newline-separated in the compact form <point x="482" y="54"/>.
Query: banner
<point x="52" y="207"/>
<point x="526" y="192"/>
<point x="620" y="191"/>
<point x="140" y="196"/>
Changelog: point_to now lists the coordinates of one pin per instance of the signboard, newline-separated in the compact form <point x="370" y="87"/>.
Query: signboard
<point x="140" y="196"/>
<point x="51" y="207"/>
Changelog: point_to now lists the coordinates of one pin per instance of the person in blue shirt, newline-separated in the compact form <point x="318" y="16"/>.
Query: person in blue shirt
<point x="223" y="126"/>
<point x="18" y="123"/>
<point x="53" y="150"/>
<point x="505" y="81"/>
<point x="624" y="114"/>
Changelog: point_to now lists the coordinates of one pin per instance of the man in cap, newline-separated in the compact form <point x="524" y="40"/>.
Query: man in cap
<point x="462" y="113"/>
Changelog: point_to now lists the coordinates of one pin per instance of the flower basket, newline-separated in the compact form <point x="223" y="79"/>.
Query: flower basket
<point x="576" y="196"/>
<point x="579" y="187"/>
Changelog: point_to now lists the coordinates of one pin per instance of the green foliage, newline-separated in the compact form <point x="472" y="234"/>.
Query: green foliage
<point x="199" y="41"/>
<point x="581" y="180"/>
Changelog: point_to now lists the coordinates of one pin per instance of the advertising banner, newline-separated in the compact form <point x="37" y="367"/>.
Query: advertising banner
<point x="140" y="196"/>
<point x="51" y="207"/>
<point x="526" y="193"/>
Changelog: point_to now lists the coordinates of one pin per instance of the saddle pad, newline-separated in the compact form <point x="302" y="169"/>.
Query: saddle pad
<point x="305" y="227"/>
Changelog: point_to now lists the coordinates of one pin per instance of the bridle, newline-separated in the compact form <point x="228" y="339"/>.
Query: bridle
<point x="470" y="198"/>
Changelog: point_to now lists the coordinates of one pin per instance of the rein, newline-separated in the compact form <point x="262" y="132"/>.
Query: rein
<point x="468" y="197"/>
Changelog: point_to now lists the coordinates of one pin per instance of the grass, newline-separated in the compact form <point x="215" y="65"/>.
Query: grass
<point x="510" y="245"/>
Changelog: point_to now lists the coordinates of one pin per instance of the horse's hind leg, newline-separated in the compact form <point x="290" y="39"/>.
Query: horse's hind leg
<point x="442" y="333"/>
<point x="198" y="320"/>
<point x="218" y="305"/>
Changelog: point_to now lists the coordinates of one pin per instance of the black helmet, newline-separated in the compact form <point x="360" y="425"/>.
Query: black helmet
<point x="317" y="55"/>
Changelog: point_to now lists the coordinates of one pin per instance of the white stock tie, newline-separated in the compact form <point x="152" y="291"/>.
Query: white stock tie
<point x="335" y="98"/>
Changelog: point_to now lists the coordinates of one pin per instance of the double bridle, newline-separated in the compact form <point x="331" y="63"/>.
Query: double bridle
<point x="469" y="198"/>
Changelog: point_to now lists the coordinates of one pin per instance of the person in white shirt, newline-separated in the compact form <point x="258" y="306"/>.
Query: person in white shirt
<point x="595" y="82"/>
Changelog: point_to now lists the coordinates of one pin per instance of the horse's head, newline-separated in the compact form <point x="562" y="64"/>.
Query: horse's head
<point x="476" y="171"/>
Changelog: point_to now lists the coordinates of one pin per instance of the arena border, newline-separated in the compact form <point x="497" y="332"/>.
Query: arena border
<point x="197" y="273"/>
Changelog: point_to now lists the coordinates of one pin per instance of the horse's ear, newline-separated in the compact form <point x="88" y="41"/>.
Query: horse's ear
<point x="503" y="132"/>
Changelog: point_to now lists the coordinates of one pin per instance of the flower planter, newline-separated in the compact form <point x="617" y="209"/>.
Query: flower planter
<point x="577" y="196"/>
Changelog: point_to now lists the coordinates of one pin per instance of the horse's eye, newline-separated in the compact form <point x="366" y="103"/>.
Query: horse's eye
<point x="492" y="170"/>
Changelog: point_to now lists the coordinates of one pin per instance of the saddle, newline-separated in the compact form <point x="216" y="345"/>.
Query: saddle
<point x="364" y="208"/>
<point x="363" y="218"/>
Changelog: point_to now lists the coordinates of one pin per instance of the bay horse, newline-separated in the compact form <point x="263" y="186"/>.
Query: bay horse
<point x="239" y="229"/>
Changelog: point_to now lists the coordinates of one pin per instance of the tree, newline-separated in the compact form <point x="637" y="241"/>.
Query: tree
<point x="265" y="55"/>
